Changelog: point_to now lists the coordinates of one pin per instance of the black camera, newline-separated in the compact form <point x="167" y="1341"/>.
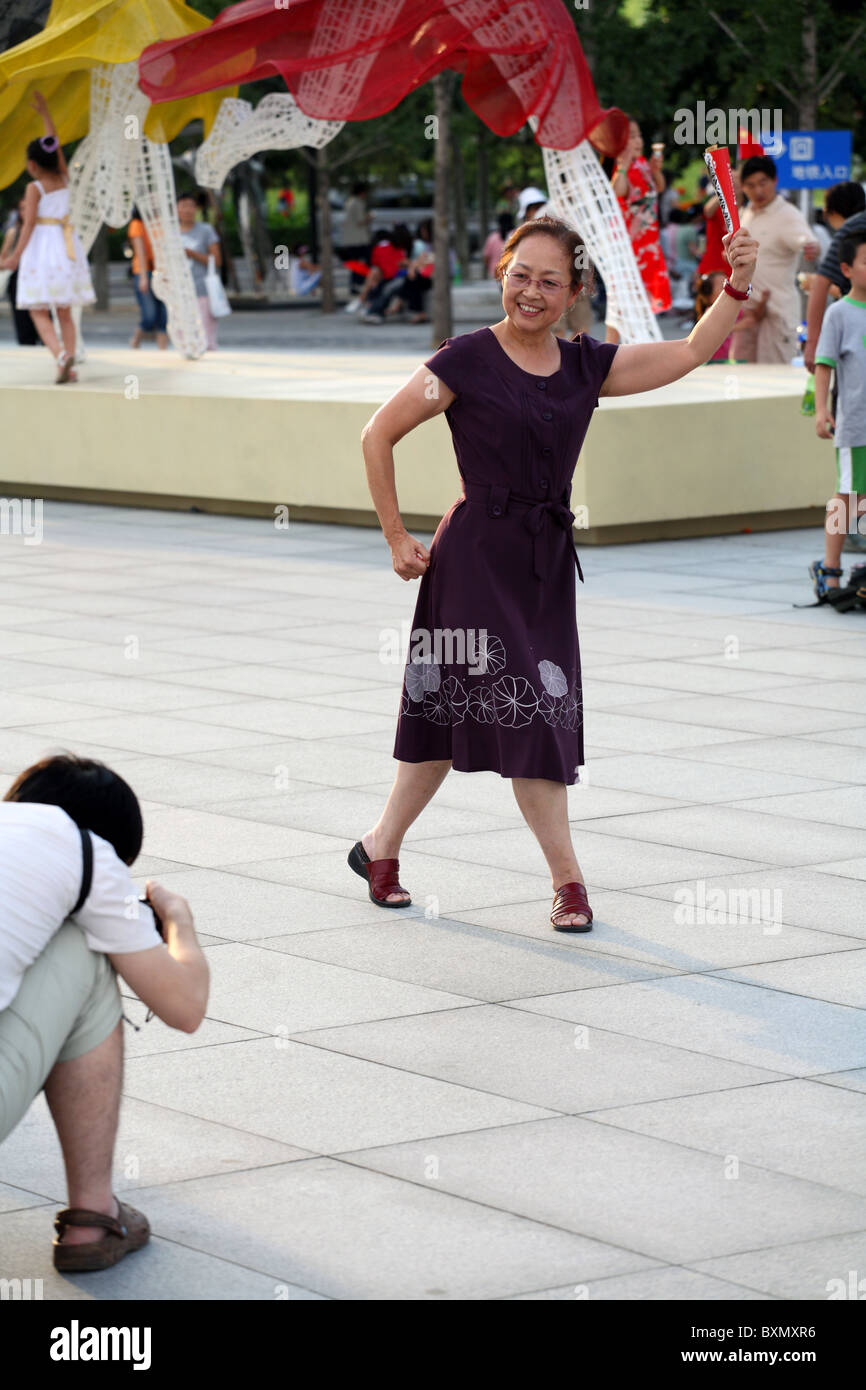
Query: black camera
<point x="156" y="916"/>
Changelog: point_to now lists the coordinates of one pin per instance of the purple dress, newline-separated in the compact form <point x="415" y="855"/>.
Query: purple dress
<point x="492" y="677"/>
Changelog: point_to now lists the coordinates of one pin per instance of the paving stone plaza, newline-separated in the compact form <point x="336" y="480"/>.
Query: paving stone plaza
<point x="460" y="1103"/>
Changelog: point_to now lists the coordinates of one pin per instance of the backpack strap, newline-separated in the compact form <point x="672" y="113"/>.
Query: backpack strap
<point x="86" y="871"/>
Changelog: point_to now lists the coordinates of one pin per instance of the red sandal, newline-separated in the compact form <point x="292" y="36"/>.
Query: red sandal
<point x="381" y="876"/>
<point x="570" y="900"/>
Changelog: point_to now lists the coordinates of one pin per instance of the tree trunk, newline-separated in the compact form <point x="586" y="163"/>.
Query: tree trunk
<point x="458" y="184"/>
<point x="99" y="266"/>
<point x="483" y="184"/>
<point x="312" y="199"/>
<point x="233" y="281"/>
<point x="442" y="319"/>
<point x="326" y="248"/>
<point x="808" y="106"/>
<point x="262" y="240"/>
<point x="227" y="271"/>
<point x="245" y="205"/>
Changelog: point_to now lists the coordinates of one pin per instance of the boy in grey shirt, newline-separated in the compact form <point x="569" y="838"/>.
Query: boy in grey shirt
<point x="842" y="345"/>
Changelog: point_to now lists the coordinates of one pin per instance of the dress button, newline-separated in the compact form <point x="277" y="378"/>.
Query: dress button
<point x="545" y="483"/>
<point x="547" y="451"/>
<point x="548" y="415"/>
<point x="497" y="511"/>
<point x="542" y="385"/>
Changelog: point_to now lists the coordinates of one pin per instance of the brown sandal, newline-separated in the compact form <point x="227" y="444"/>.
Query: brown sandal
<point x="381" y="876"/>
<point x="570" y="900"/>
<point x="128" y="1232"/>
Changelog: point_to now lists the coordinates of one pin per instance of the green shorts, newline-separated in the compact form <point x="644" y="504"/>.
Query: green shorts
<point x="68" y="1003"/>
<point x="851" y="468"/>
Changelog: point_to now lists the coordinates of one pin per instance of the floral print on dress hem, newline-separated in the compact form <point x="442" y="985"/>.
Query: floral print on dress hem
<point x="512" y="701"/>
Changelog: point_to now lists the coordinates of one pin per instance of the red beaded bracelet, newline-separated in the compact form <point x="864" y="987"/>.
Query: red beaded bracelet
<point x="736" y="294"/>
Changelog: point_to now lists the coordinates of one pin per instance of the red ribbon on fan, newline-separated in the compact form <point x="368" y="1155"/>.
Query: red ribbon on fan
<point x="351" y="60"/>
<point x="718" y="162"/>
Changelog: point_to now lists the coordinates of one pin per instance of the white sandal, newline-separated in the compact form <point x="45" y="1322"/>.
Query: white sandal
<point x="64" y="367"/>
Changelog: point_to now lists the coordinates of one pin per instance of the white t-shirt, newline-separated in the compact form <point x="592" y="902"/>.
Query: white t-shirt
<point x="40" y="880"/>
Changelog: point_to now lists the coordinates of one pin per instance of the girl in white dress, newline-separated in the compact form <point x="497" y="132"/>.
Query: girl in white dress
<point x="52" y="266"/>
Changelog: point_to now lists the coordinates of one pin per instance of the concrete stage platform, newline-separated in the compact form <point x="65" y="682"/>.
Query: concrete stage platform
<point x="246" y="431"/>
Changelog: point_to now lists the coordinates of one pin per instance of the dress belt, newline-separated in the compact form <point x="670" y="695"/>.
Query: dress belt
<point x="500" y="499"/>
<point x="65" y="223"/>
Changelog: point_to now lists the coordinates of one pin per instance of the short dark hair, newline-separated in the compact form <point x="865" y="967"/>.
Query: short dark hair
<point x="181" y="196"/>
<point x="845" y="199"/>
<point x="758" y="164"/>
<point x="566" y="238"/>
<point x="46" y="159"/>
<point x="90" y="793"/>
<point x="849" y="245"/>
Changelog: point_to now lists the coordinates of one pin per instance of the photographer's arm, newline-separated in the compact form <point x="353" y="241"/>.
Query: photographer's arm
<point x="172" y="980"/>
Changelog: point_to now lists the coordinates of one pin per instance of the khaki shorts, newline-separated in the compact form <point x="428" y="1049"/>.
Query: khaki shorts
<point x="67" y="1004"/>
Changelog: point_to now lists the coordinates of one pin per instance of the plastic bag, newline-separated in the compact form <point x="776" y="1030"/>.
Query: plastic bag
<point x="217" y="297"/>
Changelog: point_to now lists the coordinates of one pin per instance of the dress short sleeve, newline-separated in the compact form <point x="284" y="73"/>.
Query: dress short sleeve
<point x="595" y="360"/>
<point x="449" y="363"/>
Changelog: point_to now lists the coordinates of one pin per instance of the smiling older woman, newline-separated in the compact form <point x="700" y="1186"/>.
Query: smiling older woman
<point x="493" y="681"/>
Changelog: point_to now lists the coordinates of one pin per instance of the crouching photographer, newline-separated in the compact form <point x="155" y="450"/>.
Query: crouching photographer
<point x="70" y="917"/>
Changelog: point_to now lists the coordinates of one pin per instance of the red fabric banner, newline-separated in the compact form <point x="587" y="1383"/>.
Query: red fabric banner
<point x="351" y="60"/>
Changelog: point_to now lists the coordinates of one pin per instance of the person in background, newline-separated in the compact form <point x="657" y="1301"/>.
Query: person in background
<point x="508" y="201"/>
<point x="411" y="289"/>
<point x="530" y="203"/>
<point x="305" y="273"/>
<point x="152" y="310"/>
<point x="355" y="235"/>
<point x="200" y="241"/>
<point x="637" y="184"/>
<point x="687" y="252"/>
<point x="389" y="263"/>
<point x="842" y="345"/>
<point x="54" y="272"/>
<point x="844" y="208"/>
<point x="25" y="328"/>
<point x="708" y="291"/>
<point x="492" y="248"/>
<point x="783" y="235"/>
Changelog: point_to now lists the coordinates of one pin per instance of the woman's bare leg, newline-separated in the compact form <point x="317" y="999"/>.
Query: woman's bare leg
<point x="67" y="328"/>
<point x="45" y="328"/>
<point x="544" y="806"/>
<point x="83" y="1096"/>
<point x="414" y="785"/>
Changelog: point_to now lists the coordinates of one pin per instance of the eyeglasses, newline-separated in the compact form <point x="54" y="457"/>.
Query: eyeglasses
<point x="519" y="280"/>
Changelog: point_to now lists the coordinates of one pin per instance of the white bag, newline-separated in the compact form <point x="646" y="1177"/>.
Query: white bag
<point x="217" y="297"/>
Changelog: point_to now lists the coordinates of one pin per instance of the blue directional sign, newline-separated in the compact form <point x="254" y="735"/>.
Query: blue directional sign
<point x="811" y="158"/>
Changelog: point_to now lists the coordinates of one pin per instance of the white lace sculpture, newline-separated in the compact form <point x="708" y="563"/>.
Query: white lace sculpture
<point x="116" y="166"/>
<point x="242" y="130"/>
<point x="581" y="195"/>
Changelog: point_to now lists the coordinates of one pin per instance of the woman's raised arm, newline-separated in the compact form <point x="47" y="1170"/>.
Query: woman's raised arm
<point x="645" y="366"/>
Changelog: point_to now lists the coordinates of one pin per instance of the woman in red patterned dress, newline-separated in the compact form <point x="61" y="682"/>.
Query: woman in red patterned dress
<point x="637" y="184"/>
